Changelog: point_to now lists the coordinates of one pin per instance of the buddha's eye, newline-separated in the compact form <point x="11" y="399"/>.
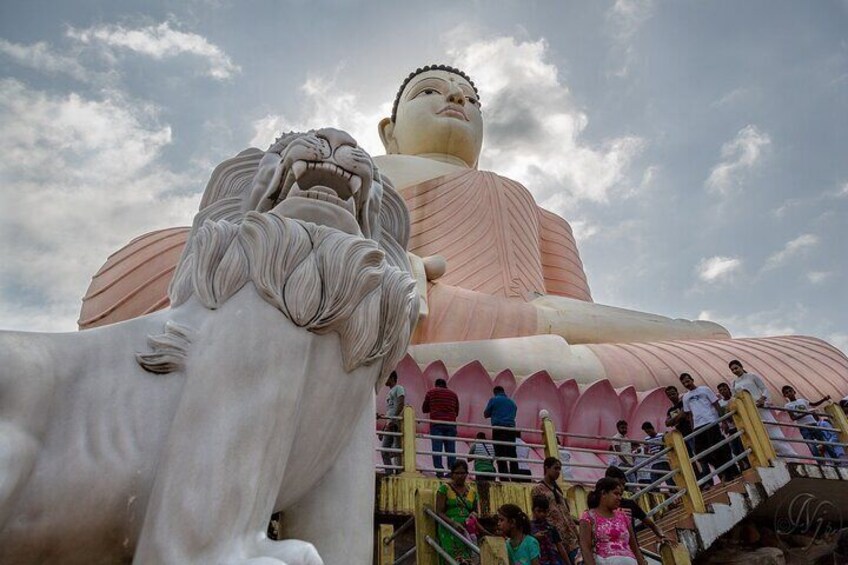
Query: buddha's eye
<point x="472" y="100"/>
<point x="429" y="91"/>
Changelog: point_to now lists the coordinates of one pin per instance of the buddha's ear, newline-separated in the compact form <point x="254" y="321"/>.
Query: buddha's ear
<point x="387" y="136"/>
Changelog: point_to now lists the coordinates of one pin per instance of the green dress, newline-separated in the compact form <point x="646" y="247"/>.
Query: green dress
<point x="457" y="510"/>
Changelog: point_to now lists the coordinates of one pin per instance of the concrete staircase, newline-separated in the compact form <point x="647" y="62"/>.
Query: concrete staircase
<point x="762" y="491"/>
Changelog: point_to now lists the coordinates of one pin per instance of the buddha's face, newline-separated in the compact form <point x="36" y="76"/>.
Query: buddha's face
<point x="439" y="113"/>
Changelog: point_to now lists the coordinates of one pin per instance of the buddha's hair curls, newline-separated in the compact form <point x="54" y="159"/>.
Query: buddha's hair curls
<point x="420" y="70"/>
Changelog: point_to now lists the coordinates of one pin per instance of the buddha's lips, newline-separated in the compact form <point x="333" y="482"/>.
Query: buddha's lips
<point x="453" y="112"/>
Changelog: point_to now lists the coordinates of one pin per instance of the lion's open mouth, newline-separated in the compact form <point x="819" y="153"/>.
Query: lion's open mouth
<point x="323" y="181"/>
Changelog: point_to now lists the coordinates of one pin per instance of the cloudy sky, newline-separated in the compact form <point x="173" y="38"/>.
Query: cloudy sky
<point x="697" y="148"/>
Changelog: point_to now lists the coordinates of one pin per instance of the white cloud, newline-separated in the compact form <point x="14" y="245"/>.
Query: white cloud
<point x="583" y="230"/>
<point x="624" y="19"/>
<point x="718" y="269"/>
<point x="734" y="97"/>
<point x="159" y="42"/>
<point x="627" y="16"/>
<point x="739" y="155"/>
<point x="533" y="127"/>
<point x="326" y="105"/>
<point x="818" y="277"/>
<point x="80" y="178"/>
<point x="792" y="249"/>
<point x="41" y="57"/>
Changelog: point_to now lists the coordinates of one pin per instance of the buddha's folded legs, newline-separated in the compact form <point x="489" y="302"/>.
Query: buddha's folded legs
<point x="459" y="314"/>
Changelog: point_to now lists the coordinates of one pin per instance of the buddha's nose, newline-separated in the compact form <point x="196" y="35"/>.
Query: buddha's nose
<point x="455" y="95"/>
<point x="336" y="137"/>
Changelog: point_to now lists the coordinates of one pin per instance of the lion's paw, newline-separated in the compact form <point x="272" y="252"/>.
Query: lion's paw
<point x="285" y="552"/>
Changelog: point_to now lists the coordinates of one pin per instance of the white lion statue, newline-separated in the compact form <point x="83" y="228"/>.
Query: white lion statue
<point x="172" y="438"/>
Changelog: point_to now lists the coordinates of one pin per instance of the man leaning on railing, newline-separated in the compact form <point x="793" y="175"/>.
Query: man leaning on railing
<point x="804" y="415"/>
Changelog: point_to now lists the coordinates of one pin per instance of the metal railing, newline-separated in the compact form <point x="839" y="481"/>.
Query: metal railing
<point x="822" y="451"/>
<point x="748" y="428"/>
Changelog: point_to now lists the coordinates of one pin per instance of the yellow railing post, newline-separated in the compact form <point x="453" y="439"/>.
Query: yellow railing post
<point x="755" y="436"/>
<point x="839" y="421"/>
<point x="674" y="554"/>
<point x="678" y="457"/>
<point x="576" y="497"/>
<point x="550" y="439"/>
<point x="424" y="526"/>
<point x="407" y="428"/>
<point x="385" y="551"/>
<point x="493" y="551"/>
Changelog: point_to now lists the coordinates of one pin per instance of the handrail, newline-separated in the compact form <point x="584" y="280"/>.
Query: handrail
<point x="405" y="526"/>
<point x="650" y="459"/>
<point x="655" y="484"/>
<point x="701" y="429"/>
<point x="586" y="436"/>
<point x="667" y="502"/>
<point x="473" y="425"/>
<point x="792" y="425"/>
<point x="733" y="460"/>
<point x="814" y="441"/>
<point x="719" y="445"/>
<point x="405" y="556"/>
<point x="467" y="542"/>
<point x="837" y="462"/>
<point x="444" y="554"/>
<point x="794" y="410"/>
<point x="489" y="441"/>
<point x="651" y="554"/>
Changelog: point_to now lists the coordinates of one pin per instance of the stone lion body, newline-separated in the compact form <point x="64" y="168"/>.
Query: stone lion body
<point x="173" y="437"/>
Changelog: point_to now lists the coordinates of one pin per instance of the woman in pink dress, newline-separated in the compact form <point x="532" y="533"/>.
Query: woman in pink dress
<point x="606" y="534"/>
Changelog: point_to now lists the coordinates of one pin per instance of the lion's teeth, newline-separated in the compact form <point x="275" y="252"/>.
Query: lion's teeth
<point x="298" y="168"/>
<point x="355" y="183"/>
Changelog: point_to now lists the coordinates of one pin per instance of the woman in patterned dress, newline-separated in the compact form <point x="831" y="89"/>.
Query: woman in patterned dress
<point x="606" y="534"/>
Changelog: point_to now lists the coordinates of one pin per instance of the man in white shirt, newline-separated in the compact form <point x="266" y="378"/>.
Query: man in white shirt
<point x="623" y="462"/>
<point x="702" y="403"/>
<point x="395" y="401"/>
<point x="754" y="385"/>
<point x="803" y="418"/>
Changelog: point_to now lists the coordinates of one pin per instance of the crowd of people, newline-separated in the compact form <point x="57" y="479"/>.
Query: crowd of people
<point x="697" y="409"/>
<point x="605" y="533"/>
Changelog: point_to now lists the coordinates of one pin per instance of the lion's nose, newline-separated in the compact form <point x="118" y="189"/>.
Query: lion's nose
<point x="336" y="138"/>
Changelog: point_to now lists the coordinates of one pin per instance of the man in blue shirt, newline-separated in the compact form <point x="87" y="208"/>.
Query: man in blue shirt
<point x="501" y="409"/>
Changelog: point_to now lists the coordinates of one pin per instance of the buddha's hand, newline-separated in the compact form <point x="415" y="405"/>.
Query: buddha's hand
<point x="434" y="267"/>
<point x="426" y="269"/>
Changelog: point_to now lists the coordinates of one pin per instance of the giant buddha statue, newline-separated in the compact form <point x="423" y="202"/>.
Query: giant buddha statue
<point x="503" y="279"/>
